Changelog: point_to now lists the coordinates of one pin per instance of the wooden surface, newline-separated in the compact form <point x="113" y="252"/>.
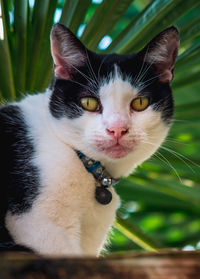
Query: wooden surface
<point x="165" y="265"/>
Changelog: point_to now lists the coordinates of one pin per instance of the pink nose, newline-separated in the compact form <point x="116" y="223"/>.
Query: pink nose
<point x="117" y="131"/>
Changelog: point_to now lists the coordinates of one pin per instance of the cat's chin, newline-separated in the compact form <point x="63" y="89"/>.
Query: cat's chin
<point x="116" y="152"/>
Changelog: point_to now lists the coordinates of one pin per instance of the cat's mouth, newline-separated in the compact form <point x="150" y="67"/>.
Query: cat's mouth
<point x="116" y="151"/>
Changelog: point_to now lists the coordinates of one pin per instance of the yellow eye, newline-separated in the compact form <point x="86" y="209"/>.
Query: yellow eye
<point x="140" y="103"/>
<point x="89" y="103"/>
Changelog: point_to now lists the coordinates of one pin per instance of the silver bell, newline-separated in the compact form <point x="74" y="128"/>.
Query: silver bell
<point x="107" y="181"/>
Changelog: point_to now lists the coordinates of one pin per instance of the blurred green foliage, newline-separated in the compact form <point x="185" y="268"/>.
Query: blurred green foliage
<point x="161" y="200"/>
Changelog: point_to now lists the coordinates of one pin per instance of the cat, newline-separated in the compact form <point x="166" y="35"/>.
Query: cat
<point x="116" y="109"/>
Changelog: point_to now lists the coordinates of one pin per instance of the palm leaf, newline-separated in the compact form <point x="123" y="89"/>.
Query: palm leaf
<point x="72" y="15"/>
<point x="20" y="42"/>
<point x="7" y="81"/>
<point x="104" y="18"/>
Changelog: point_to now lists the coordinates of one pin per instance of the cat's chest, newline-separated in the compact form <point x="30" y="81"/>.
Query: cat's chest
<point x="67" y="194"/>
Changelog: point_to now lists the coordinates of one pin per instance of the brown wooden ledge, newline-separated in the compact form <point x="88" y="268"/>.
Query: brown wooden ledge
<point x="163" y="265"/>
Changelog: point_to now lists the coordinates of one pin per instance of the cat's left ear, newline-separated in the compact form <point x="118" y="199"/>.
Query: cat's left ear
<point x="162" y="52"/>
<point x="67" y="51"/>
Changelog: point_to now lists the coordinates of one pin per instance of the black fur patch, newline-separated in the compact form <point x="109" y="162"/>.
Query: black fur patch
<point x="88" y="79"/>
<point x="20" y="179"/>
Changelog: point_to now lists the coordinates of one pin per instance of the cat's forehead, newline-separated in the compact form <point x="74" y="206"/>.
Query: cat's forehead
<point x="106" y="64"/>
<point x="114" y="74"/>
<point x="116" y="86"/>
<point x="114" y="58"/>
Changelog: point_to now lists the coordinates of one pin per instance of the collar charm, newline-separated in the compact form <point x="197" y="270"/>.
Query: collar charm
<point x="103" y="178"/>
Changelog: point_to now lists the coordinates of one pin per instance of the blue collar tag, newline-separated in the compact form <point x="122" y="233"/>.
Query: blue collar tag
<point x="104" y="179"/>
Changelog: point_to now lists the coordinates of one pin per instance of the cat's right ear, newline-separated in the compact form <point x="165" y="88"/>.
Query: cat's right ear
<point x="67" y="51"/>
<point x="162" y="52"/>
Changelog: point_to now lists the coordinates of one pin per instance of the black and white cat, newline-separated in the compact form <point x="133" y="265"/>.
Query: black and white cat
<point x="115" y="109"/>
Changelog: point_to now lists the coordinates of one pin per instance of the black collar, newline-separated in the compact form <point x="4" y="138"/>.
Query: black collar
<point x="103" y="178"/>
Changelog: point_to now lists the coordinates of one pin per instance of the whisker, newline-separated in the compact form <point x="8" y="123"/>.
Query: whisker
<point x="103" y="60"/>
<point x="145" y="71"/>
<point x="91" y="69"/>
<point x="181" y="157"/>
<point x="85" y="76"/>
<point x="177" y="154"/>
<point x="147" y="83"/>
<point x="166" y="161"/>
<point x="138" y="76"/>
<point x="84" y="86"/>
<point x="172" y="140"/>
<point x="180" y="120"/>
<point x="176" y="142"/>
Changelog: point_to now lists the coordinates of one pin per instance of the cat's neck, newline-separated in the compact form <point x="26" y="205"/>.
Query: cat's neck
<point x="121" y="168"/>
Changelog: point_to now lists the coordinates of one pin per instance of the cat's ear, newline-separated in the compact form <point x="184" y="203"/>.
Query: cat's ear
<point x="162" y="52"/>
<point x="67" y="51"/>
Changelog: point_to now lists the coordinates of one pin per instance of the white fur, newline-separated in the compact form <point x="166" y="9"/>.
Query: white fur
<point x="159" y="54"/>
<point x="65" y="219"/>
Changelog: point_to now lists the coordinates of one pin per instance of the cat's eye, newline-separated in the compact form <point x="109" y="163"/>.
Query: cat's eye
<point x="89" y="103"/>
<point x="140" y="103"/>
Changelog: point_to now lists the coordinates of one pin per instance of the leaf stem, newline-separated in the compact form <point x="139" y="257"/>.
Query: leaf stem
<point x="136" y="235"/>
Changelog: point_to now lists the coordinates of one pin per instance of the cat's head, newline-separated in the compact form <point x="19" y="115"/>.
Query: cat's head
<point x="113" y="107"/>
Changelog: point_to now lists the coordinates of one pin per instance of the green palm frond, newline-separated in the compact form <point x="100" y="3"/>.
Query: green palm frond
<point x="161" y="200"/>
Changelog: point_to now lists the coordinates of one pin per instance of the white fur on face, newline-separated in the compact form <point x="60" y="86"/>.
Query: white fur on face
<point x="88" y="132"/>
